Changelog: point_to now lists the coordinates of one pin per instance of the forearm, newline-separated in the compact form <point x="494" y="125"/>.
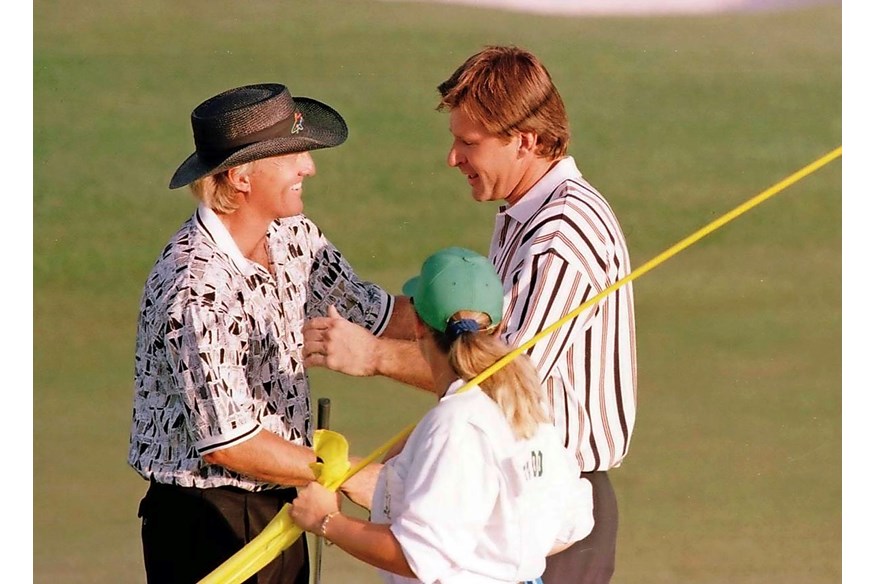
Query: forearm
<point x="360" y="487"/>
<point x="372" y="543"/>
<point x="402" y="361"/>
<point x="269" y="458"/>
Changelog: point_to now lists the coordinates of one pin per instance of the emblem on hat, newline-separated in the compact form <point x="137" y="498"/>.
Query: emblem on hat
<point x="297" y="123"/>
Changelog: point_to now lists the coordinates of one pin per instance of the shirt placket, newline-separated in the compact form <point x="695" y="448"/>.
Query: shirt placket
<point x="274" y="298"/>
<point x="503" y="234"/>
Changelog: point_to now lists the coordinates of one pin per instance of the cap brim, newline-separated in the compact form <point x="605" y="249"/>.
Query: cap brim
<point x="411" y="287"/>
<point x="323" y="128"/>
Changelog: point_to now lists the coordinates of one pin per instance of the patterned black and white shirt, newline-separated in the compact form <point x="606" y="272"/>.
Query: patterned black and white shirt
<point x="219" y="344"/>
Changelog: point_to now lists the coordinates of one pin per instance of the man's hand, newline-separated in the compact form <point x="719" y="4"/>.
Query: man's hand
<point x="337" y="344"/>
<point x="340" y="345"/>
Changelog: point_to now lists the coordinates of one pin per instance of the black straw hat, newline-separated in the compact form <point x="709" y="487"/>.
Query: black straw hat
<point x="253" y="122"/>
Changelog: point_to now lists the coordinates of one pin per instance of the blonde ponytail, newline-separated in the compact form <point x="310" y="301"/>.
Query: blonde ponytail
<point x="515" y="387"/>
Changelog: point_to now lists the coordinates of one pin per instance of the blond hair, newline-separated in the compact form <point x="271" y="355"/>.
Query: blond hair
<point x="508" y="91"/>
<point x="515" y="387"/>
<point x="217" y="192"/>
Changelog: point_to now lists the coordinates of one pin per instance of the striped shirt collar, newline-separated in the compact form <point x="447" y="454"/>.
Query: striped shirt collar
<point x="213" y="227"/>
<point x="535" y="197"/>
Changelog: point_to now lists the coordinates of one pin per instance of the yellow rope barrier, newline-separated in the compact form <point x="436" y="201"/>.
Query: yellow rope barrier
<point x="659" y="259"/>
<point x="282" y="532"/>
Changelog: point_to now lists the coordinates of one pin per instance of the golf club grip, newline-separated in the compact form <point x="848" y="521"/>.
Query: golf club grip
<point x="323" y="413"/>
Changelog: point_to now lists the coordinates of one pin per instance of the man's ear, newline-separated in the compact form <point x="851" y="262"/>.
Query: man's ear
<point x="528" y="142"/>
<point x="239" y="177"/>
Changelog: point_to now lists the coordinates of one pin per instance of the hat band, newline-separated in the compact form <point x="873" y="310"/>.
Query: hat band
<point x="281" y="129"/>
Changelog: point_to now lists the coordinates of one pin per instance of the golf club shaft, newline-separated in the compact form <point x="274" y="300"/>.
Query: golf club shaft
<point x="323" y="415"/>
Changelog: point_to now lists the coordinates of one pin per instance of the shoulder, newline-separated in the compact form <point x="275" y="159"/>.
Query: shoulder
<point x="299" y="227"/>
<point x="191" y="270"/>
<point x="576" y="219"/>
<point x="455" y="410"/>
<point x="575" y="208"/>
<point x="451" y="412"/>
<point x="463" y="416"/>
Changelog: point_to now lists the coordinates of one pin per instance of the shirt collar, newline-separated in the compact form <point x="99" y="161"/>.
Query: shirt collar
<point x="535" y="197"/>
<point x="454" y="387"/>
<point x="213" y="227"/>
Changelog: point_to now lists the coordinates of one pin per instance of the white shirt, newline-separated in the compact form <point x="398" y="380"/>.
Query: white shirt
<point x="554" y="249"/>
<point x="470" y="504"/>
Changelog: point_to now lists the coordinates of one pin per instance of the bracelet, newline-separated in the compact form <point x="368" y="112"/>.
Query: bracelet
<point x="325" y="522"/>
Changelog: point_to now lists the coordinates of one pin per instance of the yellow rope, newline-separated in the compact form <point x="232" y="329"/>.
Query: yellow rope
<point x="282" y="532"/>
<point x="659" y="259"/>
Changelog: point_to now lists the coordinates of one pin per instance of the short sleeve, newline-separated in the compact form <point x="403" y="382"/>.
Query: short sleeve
<point x="334" y="282"/>
<point x="208" y="358"/>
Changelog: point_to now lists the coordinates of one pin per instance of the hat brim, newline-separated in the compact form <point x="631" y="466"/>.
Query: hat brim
<point x="323" y="127"/>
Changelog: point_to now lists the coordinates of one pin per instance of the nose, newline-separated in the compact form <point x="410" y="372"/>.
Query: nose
<point x="308" y="166"/>
<point x="453" y="158"/>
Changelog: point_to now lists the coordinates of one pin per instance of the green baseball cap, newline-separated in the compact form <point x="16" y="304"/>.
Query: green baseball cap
<point x="455" y="279"/>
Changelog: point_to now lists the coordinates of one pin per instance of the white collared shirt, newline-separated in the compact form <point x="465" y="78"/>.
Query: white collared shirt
<point x="219" y="344"/>
<point x="471" y="504"/>
<point x="554" y="249"/>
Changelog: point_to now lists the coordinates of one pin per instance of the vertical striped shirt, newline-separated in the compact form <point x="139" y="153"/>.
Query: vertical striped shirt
<point x="556" y="248"/>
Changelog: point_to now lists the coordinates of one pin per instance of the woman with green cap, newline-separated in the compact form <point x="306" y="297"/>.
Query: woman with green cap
<point x="483" y="489"/>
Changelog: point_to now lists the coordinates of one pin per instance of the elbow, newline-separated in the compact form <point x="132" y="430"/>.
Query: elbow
<point x="226" y="458"/>
<point x="219" y="457"/>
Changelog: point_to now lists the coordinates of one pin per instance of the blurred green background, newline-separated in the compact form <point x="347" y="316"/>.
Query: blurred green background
<point x="734" y="474"/>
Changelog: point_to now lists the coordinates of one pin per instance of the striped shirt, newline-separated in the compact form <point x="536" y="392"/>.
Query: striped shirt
<point x="556" y="248"/>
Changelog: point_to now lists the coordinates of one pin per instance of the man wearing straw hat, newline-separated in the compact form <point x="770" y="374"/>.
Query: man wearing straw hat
<point x="222" y="423"/>
<point x="556" y="244"/>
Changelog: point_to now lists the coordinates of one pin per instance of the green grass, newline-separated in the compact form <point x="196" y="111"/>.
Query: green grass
<point x="734" y="471"/>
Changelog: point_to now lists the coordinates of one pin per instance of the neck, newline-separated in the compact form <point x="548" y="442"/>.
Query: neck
<point x="533" y="173"/>
<point x="442" y="374"/>
<point x="248" y="233"/>
<point x="443" y="383"/>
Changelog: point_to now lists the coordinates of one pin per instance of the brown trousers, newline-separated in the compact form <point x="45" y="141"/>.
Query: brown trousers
<point x="189" y="532"/>
<point x="591" y="560"/>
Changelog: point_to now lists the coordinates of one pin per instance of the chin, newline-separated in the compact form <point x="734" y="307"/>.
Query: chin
<point x="291" y="213"/>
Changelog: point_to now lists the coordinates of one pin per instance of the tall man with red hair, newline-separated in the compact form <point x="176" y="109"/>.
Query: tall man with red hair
<point x="556" y="244"/>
